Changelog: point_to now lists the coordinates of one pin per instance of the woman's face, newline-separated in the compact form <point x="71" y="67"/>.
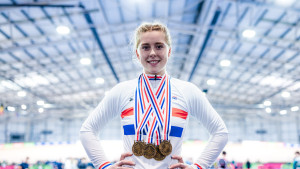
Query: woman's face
<point x="153" y="52"/>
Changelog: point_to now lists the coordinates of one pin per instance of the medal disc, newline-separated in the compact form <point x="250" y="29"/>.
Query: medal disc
<point x="159" y="156"/>
<point x="149" y="151"/>
<point x="138" y="148"/>
<point x="165" y="147"/>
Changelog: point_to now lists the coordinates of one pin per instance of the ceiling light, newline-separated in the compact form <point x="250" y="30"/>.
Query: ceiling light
<point x="21" y="93"/>
<point x="267" y="103"/>
<point x="10" y="108"/>
<point x="268" y="110"/>
<point x="211" y="82"/>
<point x="99" y="80"/>
<point x="295" y="108"/>
<point x="48" y="105"/>
<point x="286" y="94"/>
<point x="41" y="110"/>
<point x="23" y="106"/>
<point x="283" y="112"/>
<point x="284" y="3"/>
<point x="225" y="63"/>
<point x="85" y="61"/>
<point x="248" y="33"/>
<point x="63" y="30"/>
<point x="40" y="102"/>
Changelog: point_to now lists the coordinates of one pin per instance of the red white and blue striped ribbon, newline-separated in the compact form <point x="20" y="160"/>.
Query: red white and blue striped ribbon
<point x="145" y="120"/>
<point x="154" y="123"/>
<point x="168" y="110"/>
<point x="142" y="118"/>
<point x="163" y="113"/>
<point x="154" y="126"/>
<point x="153" y="100"/>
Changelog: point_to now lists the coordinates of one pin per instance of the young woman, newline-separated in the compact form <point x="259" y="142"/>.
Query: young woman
<point x="155" y="109"/>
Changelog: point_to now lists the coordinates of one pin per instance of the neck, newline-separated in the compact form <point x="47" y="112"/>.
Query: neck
<point x="155" y="74"/>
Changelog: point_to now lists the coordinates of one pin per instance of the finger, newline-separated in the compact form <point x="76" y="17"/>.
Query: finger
<point x="124" y="155"/>
<point x="125" y="162"/>
<point x="179" y="158"/>
<point x="180" y="165"/>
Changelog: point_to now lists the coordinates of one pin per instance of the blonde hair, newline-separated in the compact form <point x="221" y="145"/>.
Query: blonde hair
<point x="148" y="27"/>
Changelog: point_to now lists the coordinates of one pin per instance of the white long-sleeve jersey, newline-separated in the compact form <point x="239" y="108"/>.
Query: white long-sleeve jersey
<point x="187" y="100"/>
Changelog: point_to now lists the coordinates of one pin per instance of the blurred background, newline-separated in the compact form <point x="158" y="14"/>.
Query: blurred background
<point x="58" y="59"/>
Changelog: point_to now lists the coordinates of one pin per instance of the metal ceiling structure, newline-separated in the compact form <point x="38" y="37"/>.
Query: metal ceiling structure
<point x="45" y="65"/>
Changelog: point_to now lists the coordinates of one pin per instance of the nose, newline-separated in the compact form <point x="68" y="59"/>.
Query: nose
<point x="152" y="52"/>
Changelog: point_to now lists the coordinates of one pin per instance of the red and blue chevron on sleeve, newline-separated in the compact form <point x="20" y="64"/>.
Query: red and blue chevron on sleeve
<point x="198" y="166"/>
<point x="105" y="165"/>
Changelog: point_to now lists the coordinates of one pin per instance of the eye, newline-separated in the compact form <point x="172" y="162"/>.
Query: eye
<point x="159" y="46"/>
<point x="145" y="47"/>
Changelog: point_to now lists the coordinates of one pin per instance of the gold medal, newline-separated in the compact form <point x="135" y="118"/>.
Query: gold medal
<point x="138" y="148"/>
<point x="149" y="151"/>
<point x="159" y="156"/>
<point x="165" y="147"/>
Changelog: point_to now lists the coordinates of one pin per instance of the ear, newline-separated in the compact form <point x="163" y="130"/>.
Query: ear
<point x="137" y="54"/>
<point x="169" y="53"/>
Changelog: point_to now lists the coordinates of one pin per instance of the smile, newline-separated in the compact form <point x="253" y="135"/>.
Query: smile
<point x="153" y="61"/>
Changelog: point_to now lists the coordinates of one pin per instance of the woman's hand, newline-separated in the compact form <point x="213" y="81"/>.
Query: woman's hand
<point x="119" y="164"/>
<point x="180" y="163"/>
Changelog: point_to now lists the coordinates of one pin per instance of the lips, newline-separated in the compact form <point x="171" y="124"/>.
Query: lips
<point x="153" y="62"/>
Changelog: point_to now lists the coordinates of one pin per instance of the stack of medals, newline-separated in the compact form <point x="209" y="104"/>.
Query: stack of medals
<point x="152" y="116"/>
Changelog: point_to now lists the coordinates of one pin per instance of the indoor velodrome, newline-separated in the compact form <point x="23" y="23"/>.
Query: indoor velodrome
<point x="214" y="82"/>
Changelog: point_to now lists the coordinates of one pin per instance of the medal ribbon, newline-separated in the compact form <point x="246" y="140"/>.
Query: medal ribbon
<point x="163" y="120"/>
<point x="153" y="100"/>
<point x="140" y="103"/>
<point x="168" y="110"/>
<point x="156" y="127"/>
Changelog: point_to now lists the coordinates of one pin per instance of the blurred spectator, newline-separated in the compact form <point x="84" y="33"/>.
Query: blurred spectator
<point x="296" y="163"/>
<point x="90" y="166"/>
<point x="58" y="164"/>
<point x="248" y="164"/>
<point x="234" y="165"/>
<point x="223" y="163"/>
<point x="82" y="163"/>
<point x="25" y="164"/>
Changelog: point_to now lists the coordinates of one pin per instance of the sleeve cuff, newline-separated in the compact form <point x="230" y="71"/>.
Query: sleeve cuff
<point x="197" y="166"/>
<point x="105" y="165"/>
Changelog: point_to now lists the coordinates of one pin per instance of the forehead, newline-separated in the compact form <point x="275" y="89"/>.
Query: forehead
<point x="153" y="37"/>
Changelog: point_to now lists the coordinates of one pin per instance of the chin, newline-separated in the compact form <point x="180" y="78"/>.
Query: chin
<point x="155" y="72"/>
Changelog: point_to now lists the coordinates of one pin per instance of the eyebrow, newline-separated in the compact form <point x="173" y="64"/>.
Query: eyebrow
<point x="157" y="43"/>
